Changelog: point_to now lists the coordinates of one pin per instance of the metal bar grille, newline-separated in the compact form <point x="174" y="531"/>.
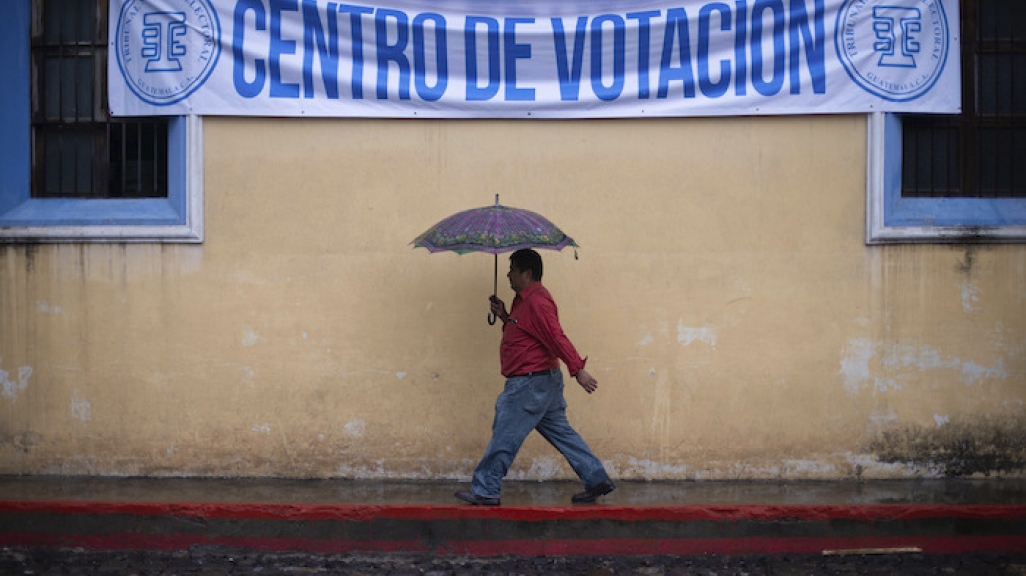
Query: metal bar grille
<point x="78" y="150"/>
<point x="981" y="153"/>
<point x="930" y="156"/>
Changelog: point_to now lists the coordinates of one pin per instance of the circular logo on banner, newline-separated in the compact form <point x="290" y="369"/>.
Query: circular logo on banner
<point x="895" y="49"/>
<point x="166" y="49"/>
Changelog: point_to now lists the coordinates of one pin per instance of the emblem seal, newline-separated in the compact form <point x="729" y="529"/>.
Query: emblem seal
<point x="166" y="49"/>
<point x="895" y="49"/>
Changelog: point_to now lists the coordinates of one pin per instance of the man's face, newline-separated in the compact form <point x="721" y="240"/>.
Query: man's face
<point x="518" y="279"/>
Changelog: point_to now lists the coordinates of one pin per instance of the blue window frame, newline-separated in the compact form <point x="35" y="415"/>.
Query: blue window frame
<point x="177" y="218"/>
<point x="892" y="218"/>
<point x="964" y="180"/>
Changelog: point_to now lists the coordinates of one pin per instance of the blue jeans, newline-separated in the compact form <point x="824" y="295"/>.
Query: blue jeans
<point x="533" y="403"/>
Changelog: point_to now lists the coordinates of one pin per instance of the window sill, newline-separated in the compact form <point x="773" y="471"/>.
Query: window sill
<point x="891" y="219"/>
<point x="178" y="218"/>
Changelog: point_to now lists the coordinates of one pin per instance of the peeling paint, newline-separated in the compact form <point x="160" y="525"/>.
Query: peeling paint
<point x="47" y="308"/>
<point x="651" y="469"/>
<point x="686" y="335"/>
<point x="355" y="428"/>
<point x="941" y="420"/>
<point x="808" y="468"/>
<point x="889" y="415"/>
<point x="974" y="372"/>
<point x="458" y="470"/>
<point x="81" y="409"/>
<point x="885" y="384"/>
<point x="263" y="428"/>
<point x="249" y="337"/>
<point x="901" y="357"/>
<point x="855" y="364"/>
<point x="11" y="388"/>
<point x="970" y="296"/>
<point x="905" y="355"/>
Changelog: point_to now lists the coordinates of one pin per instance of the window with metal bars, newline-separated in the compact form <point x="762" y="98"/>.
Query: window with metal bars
<point x="982" y="152"/>
<point x="78" y="150"/>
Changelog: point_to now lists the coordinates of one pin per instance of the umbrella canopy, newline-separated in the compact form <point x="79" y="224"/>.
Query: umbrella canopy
<point x="493" y="230"/>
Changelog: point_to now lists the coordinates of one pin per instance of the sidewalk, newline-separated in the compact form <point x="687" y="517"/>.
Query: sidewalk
<point x="536" y="519"/>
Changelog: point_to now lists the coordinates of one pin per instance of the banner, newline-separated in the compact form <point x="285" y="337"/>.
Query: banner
<point x="532" y="58"/>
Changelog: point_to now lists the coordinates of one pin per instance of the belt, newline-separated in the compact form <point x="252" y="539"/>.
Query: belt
<point x="538" y="373"/>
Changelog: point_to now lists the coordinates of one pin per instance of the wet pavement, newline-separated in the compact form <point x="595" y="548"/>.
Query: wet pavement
<point x="432" y="493"/>
<point x="215" y="561"/>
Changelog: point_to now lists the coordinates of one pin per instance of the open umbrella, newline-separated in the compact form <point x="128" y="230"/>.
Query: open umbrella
<point x="493" y="229"/>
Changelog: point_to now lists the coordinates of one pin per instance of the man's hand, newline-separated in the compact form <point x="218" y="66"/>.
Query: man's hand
<point x="498" y="308"/>
<point x="587" y="381"/>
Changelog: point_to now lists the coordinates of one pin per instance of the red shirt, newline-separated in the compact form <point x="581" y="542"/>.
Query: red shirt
<point x="532" y="339"/>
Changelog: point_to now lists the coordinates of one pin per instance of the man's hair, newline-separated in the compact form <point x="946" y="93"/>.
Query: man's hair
<point x="527" y="259"/>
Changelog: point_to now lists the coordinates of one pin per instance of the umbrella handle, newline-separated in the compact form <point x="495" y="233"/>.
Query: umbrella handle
<point x="495" y="281"/>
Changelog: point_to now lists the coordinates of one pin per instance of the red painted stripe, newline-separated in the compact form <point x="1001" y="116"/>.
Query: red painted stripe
<point x="523" y="547"/>
<point x="261" y="511"/>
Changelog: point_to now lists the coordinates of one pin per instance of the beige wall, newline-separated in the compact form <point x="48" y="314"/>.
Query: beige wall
<point x="736" y="321"/>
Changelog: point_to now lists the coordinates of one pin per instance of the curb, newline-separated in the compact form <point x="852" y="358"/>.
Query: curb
<point x="515" y="530"/>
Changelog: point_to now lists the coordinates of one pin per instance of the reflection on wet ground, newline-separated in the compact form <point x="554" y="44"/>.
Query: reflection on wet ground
<point x="517" y="493"/>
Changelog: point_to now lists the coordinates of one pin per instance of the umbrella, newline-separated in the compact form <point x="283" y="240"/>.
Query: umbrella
<point x="493" y="229"/>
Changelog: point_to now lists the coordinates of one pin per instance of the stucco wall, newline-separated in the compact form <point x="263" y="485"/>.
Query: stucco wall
<point x="736" y="321"/>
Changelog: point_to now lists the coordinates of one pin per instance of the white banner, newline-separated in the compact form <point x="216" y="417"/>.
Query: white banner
<point x="532" y="58"/>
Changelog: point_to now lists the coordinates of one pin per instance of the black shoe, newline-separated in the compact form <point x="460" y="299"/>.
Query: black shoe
<point x="592" y="494"/>
<point x="476" y="500"/>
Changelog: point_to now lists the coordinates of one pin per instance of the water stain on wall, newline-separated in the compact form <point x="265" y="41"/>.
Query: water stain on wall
<point x="24" y="442"/>
<point x="966" y="265"/>
<point x="957" y="447"/>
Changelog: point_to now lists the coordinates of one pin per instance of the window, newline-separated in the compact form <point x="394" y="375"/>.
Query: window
<point x="69" y="172"/>
<point x="973" y="155"/>
<point x="938" y="177"/>
<point x="79" y="151"/>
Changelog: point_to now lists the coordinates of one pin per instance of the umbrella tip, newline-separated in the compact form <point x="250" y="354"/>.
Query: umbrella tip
<point x="496" y="199"/>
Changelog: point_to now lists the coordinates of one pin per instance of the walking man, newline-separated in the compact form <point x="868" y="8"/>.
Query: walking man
<point x="533" y="343"/>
